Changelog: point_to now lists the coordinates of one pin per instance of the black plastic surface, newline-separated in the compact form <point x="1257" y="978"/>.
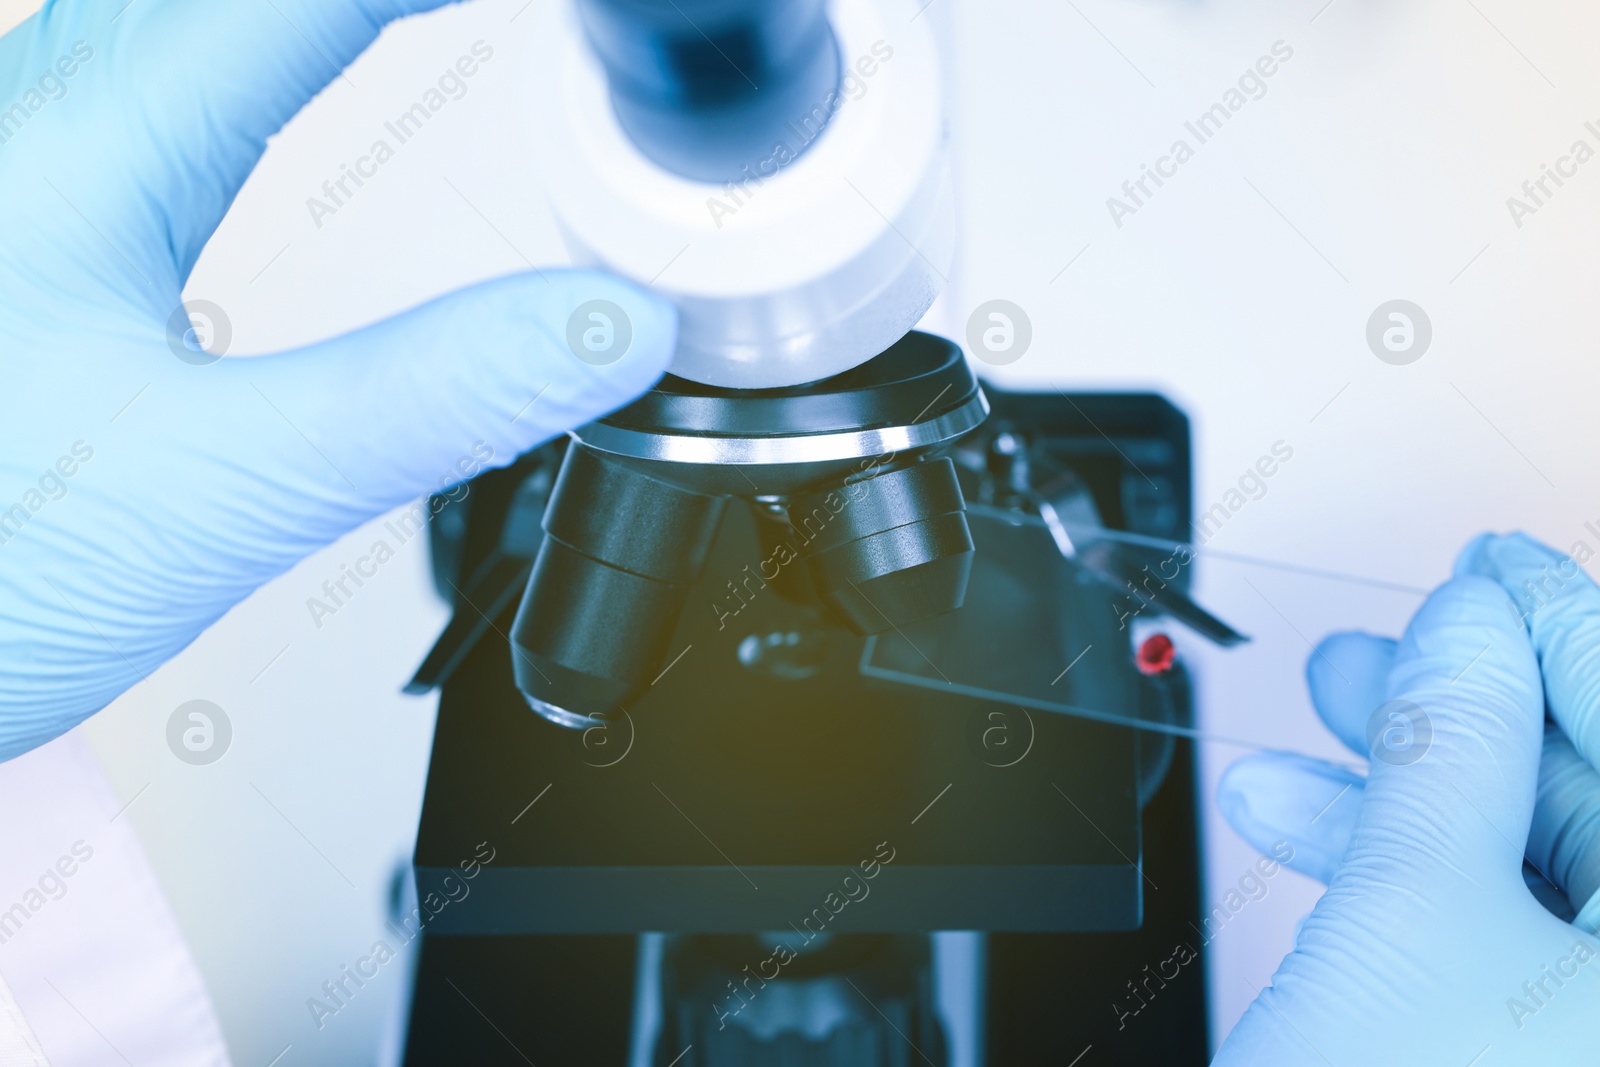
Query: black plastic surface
<point x="741" y="800"/>
<point x="1051" y="996"/>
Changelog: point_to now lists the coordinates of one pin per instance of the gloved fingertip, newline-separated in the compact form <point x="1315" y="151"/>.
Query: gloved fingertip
<point x="1505" y="557"/>
<point x="625" y="334"/>
<point x="1269" y="784"/>
<point x="1348" y="656"/>
<point x="1235" y="788"/>
<point x="656" y="317"/>
<point x="1473" y="557"/>
<point x="1463" y="610"/>
<point x="1347" y="674"/>
<point x="1465" y="682"/>
<point x="1294" y="807"/>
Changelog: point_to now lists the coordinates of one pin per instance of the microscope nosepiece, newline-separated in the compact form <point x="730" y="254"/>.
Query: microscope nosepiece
<point x="843" y="482"/>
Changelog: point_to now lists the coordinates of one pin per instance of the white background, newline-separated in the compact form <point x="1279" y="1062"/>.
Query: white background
<point x="1377" y="166"/>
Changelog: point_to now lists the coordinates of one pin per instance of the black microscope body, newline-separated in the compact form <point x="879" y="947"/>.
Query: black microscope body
<point x="723" y="826"/>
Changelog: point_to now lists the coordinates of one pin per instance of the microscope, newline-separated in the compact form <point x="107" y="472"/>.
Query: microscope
<point x="813" y="708"/>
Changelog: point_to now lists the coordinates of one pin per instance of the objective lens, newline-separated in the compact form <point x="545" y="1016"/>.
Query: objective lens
<point x="891" y="549"/>
<point x="621" y="550"/>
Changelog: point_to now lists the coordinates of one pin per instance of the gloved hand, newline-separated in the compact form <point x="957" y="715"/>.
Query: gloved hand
<point x="144" y="490"/>
<point x="1428" y="946"/>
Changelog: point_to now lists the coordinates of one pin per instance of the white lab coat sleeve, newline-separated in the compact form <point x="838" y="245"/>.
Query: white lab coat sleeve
<point x="18" y="1046"/>
<point x="97" y="967"/>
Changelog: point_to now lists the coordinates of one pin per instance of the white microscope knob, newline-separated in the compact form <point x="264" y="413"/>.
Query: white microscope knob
<point x="805" y="269"/>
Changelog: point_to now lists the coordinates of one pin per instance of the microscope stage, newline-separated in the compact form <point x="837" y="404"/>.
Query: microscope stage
<point x="734" y="798"/>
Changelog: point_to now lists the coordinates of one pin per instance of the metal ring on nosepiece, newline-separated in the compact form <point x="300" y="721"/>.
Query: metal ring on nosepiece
<point x="561" y="716"/>
<point x="805" y="448"/>
<point x="916" y="396"/>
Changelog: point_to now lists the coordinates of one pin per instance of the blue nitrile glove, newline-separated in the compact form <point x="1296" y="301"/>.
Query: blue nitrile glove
<point x="142" y="494"/>
<point x="1560" y="607"/>
<point x="1428" y="946"/>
